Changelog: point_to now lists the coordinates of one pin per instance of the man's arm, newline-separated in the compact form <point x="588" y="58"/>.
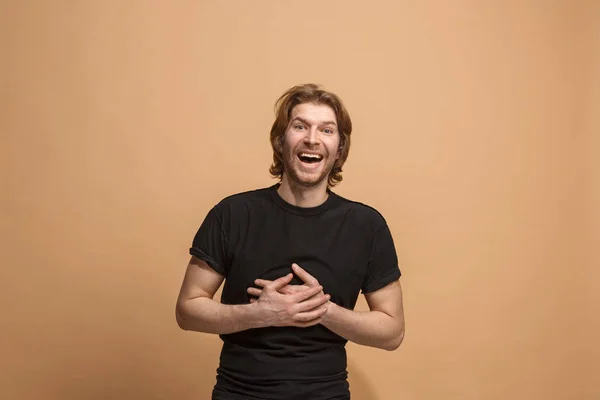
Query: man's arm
<point x="381" y="327"/>
<point x="196" y="309"/>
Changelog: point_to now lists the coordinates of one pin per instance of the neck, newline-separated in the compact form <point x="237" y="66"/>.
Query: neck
<point x="303" y="196"/>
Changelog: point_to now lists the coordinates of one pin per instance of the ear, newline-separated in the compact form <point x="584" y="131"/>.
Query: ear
<point x="339" y="151"/>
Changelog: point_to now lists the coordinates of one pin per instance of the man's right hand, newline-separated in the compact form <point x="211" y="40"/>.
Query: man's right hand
<point x="302" y="309"/>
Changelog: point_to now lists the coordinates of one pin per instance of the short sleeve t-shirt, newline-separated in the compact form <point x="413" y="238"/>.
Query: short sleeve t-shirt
<point x="347" y="246"/>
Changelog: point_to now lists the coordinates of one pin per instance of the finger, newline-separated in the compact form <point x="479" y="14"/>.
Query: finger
<point x="286" y="290"/>
<point x="291" y="289"/>
<point x="262" y="282"/>
<point x="310" y="315"/>
<point x="312" y="303"/>
<point x="280" y="282"/>
<point x="254" y="291"/>
<point x="305" y="276"/>
<point x="253" y="300"/>
<point x="306" y="294"/>
<point x="308" y="324"/>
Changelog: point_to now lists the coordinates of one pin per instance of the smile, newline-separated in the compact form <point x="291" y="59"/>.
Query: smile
<point x="309" y="158"/>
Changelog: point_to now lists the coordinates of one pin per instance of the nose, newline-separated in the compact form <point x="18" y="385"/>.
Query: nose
<point x="311" y="137"/>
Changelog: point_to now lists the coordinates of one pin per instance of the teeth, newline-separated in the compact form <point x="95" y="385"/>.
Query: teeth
<point x="317" y="157"/>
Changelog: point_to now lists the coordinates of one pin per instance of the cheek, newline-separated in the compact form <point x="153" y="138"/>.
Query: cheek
<point x="287" y="150"/>
<point x="289" y="143"/>
<point x="334" y="149"/>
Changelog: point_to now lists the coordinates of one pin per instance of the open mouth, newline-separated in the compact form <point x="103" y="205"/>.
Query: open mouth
<point x="311" y="159"/>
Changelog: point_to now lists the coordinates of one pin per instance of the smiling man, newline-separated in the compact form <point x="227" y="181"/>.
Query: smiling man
<point x="294" y="257"/>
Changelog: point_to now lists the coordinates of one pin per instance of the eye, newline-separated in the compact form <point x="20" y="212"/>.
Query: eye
<point x="328" y="130"/>
<point x="299" y="127"/>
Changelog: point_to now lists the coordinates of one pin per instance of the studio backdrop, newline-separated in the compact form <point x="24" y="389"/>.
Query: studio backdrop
<point x="476" y="134"/>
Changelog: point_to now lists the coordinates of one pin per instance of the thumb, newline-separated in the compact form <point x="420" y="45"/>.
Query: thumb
<point x="305" y="276"/>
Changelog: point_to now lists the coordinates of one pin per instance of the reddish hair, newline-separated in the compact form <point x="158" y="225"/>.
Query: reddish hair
<point x="309" y="93"/>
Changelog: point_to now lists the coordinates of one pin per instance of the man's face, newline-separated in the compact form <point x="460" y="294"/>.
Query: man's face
<point x="310" y="146"/>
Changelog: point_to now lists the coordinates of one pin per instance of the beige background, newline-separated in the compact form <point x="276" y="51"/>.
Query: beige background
<point x="476" y="134"/>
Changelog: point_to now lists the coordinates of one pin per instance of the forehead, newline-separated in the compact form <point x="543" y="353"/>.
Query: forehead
<point x="313" y="112"/>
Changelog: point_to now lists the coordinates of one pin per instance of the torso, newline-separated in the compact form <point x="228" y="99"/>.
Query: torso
<point x="331" y="242"/>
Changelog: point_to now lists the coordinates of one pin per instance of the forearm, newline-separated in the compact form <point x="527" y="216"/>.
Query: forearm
<point x="206" y="315"/>
<point x="368" y="328"/>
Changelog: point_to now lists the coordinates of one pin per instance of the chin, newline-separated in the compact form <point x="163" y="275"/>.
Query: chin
<point x="308" y="180"/>
<point x="299" y="176"/>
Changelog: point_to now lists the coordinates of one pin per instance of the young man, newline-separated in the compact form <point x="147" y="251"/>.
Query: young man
<point x="294" y="258"/>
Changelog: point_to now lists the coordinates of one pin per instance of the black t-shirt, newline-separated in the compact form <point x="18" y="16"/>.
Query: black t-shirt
<point x="347" y="246"/>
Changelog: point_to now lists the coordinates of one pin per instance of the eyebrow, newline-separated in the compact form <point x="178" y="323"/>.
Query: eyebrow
<point x="308" y="123"/>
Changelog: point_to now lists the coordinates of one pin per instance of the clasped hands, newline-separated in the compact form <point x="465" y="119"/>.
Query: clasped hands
<point x="282" y="304"/>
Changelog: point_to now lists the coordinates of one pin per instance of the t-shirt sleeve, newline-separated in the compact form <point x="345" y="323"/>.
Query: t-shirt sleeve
<point x="210" y="243"/>
<point x="383" y="262"/>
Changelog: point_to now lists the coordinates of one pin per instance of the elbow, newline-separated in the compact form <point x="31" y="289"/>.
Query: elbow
<point x="396" y="341"/>
<point x="188" y="314"/>
<point x="180" y="313"/>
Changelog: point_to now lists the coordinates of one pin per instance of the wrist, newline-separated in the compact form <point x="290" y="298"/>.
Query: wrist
<point x="254" y="315"/>
<point x="330" y="314"/>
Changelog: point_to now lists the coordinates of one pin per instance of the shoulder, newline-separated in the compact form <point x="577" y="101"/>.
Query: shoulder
<point x="364" y="214"/>
<point x="242" y="201"/>
<point x="245" y="197"/>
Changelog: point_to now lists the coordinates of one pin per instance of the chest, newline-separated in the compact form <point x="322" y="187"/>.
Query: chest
<point x="333" y="250"/>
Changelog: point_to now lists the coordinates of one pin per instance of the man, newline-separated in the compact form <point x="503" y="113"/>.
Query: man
<point x="294" y="258"/>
